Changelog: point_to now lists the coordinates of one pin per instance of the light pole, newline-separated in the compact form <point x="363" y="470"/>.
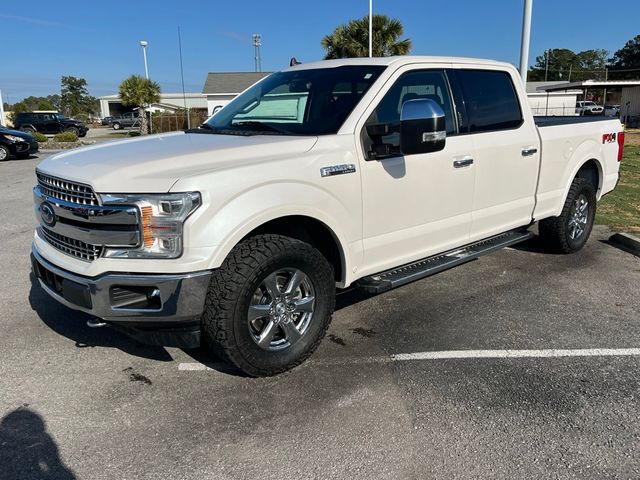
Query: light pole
<point x="526" y="35"/>
<point x="370" y="28"/>
<point x="143" y="44"/>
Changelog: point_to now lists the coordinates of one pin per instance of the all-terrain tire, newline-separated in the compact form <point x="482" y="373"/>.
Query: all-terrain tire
<point x="556" y="232"/>
<point x="225" y="325"/>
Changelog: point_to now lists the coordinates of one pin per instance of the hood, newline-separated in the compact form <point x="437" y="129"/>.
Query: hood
<point x="17" y="133"/>
<point x="152" y="164"/>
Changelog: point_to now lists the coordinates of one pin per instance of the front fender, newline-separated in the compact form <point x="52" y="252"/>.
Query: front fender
<point x="224" y="226"/>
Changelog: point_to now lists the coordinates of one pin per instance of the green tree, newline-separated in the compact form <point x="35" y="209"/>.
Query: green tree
<point x="137" y="91"/>
<point x="352" y="39"/>
<point x="627" y="58"/>
<point x="74" y="98"/>
<point x="559" y="64"/>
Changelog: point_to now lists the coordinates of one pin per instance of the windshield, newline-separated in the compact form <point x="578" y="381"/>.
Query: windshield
<point x="299" y="102"/>
<point x="59" y="116"/>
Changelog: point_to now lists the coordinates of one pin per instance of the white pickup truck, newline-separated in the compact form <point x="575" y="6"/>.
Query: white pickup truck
<point x="364" y="172"/>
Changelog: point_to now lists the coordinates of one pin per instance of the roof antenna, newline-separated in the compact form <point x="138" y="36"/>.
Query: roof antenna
<point x="293" y="62"/>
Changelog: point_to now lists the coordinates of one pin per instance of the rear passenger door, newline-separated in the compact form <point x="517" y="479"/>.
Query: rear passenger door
<point x="506" y="150"/>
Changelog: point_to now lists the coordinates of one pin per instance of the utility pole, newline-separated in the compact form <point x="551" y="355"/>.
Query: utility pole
<point x="370" y="28"/>
<point x="526" y="35"/>
<point x="257" y="42"/>
<point x="546" y="64"/>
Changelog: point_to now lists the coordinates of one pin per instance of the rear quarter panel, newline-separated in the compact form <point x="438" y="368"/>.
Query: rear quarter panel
<point x="565" y="149"/>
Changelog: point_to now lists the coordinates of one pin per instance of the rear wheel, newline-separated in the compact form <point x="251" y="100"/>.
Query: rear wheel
<point x="570" y="231"/>
<point x="269" y="304"/>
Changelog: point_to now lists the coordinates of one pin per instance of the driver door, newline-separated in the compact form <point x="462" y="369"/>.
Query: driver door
<point x="416" y="205"/>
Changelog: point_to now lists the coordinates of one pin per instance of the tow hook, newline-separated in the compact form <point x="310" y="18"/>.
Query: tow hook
<point x="96" y="323"/>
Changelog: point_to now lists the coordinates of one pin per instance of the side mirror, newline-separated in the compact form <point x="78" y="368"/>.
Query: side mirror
<point x="422" y="127"/>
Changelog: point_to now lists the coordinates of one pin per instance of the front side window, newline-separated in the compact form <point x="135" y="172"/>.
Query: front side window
<point x="299" y="102"/>
<point x="420" y="84"/>
<point x="490" y="99"/>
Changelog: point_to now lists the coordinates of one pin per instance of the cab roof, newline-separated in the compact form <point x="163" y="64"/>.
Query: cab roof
<point x="396" y="61"/>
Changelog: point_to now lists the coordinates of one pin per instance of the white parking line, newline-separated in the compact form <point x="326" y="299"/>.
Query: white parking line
<point x="581" y="352"/>
<point x="455" y="354"/>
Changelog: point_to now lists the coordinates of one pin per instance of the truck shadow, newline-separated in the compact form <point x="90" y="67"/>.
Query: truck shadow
<point x="27" y="451"/>
<point x="72" y="324"/>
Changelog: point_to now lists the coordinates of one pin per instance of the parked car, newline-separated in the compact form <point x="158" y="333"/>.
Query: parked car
<point x="127" y="120"/>
<point x="362" y="172"/>
<point x="107" y="121"/>
<point x="14" y="143"/>
<point x="612" y="110"/>
<point x="589" y="108"/>
<point x="48" y="123"/>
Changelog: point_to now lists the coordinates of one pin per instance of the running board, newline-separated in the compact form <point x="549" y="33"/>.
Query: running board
<point x="396" y="277"/>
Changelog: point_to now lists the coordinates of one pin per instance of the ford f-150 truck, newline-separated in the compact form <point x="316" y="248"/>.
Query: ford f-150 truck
<point x="357" y="172"/>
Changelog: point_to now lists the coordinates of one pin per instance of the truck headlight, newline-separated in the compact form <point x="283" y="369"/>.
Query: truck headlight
<point x="162" y="217"/>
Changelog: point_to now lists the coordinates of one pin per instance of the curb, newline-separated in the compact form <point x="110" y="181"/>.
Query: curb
<point x="627" y="242"/>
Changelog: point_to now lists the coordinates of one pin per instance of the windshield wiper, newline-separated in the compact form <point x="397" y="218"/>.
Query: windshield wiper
<point x="255" y="125"/>
<point x="206" y="128"/>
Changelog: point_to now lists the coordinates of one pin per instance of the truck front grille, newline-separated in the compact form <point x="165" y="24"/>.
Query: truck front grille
<point x="67" y="191"/>
<point x="70" y="246"/>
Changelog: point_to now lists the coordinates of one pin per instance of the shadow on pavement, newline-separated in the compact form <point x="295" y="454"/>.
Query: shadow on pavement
<point x="72" y="324"/>
<point x="27" y="451"/>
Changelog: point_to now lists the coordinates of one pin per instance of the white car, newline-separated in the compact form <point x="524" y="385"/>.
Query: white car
<point x="612" y="110"/>
<point x="589" y="108"/>
<point x="369" y="172"/>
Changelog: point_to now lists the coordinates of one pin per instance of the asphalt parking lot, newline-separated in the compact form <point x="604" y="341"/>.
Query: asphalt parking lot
<point x="91" y="404"/>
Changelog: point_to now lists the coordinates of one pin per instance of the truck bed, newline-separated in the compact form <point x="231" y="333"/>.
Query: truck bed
<point x="568" y="120"/>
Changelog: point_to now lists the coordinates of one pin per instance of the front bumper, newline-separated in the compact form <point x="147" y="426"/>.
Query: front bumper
<point x="131" y="300"/>
<point x="23" y="148"/>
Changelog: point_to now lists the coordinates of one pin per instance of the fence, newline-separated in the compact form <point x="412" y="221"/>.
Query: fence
<point x="171" y="122"/>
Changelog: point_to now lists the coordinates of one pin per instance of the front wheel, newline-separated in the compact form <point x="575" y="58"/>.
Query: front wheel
<point x="116" y="126"/>
<point x="269" y="305"/>
<point x="569" y="232"/>
<point x="73" y="130"/>
<point x="4" y="153"/>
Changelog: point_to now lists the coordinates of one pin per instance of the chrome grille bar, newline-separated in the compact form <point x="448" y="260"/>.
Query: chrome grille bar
<point x="65" y="190"/>
<point x="75" y="248"/>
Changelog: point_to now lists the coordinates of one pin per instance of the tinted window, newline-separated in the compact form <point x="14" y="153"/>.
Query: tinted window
<point x="429" y="84"/>
<point x="423" y="84"/>
<point x="490" y="99"/>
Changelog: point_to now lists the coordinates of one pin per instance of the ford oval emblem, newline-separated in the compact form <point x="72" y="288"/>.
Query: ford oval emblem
<point x="47" y="215"/>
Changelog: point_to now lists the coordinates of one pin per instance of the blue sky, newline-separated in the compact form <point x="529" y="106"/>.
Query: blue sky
<point x="98" y="40"/>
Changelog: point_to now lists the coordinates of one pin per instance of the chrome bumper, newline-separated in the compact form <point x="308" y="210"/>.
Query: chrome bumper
<point x="126" y="299"/>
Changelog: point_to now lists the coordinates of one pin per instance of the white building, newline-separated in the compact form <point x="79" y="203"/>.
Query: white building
<point x="559" y="103"/>
<point x="111" y="105"/>
<point x="222" y="87"/>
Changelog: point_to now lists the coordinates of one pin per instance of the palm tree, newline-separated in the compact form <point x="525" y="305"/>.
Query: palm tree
<point x="352" y="39"/>
<point x="137" y="91"/>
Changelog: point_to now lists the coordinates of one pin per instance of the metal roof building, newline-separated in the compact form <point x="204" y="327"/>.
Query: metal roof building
<point x="629" y="101"/>
<point x="222" y="87"/>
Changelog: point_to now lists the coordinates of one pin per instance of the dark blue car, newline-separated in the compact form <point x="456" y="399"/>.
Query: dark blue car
<point x="14" y="143"/>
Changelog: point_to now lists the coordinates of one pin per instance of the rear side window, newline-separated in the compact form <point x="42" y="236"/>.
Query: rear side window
<point x="490" y="99"/>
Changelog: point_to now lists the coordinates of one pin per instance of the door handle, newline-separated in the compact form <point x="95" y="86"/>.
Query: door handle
<point x="528" y="151"/>
<point x="463" y="162"/>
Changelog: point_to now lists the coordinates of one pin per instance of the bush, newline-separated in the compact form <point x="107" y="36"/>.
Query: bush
<point x="66" y="137"/>
<point x="40" y="137"/>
